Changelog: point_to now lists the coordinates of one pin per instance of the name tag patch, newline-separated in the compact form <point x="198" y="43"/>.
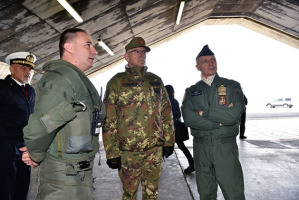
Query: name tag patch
<point x="196" y="93"/>
<point x="132" y="84"/>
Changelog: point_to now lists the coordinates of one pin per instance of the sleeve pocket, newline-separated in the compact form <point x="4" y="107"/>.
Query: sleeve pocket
<point x="58" y="116"/>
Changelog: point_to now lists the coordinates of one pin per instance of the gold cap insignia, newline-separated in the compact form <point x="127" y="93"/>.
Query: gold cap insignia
<point x="30" y="58"/>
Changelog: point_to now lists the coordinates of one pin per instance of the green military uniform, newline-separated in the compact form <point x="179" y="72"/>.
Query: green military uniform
<point x="215" y="148"/>
<point x="59" y="132"/>
<point x="138" y="123"/>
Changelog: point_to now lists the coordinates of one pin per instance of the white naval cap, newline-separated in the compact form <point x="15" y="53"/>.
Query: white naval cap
<point x="22" y="58"/>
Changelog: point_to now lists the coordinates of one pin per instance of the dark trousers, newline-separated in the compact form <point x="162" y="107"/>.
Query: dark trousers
<point x="242" y="123"/>
<point x="14" y="174"/>
<point x="187" y="153"/>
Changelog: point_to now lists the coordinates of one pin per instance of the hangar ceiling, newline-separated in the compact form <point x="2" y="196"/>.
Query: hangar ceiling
<point x="35" y="25"/>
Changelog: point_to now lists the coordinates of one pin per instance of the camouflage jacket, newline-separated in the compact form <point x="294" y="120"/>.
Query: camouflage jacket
<point x="138" y="113"/>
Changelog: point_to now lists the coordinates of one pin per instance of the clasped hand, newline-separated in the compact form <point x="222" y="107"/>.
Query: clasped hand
<point x="26" y="158"/>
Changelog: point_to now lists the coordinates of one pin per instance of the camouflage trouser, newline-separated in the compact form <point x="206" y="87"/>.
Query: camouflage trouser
<point x="141" y="167"/>
<point x="56" y="185"/>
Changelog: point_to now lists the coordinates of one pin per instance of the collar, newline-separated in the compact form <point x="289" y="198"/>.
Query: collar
<point x="208" y="80"/>
<point x="19" y="83"/>
<point x="136" y="70"/>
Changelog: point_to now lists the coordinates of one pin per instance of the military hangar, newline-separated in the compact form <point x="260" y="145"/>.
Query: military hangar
<point x="31" y="25"/>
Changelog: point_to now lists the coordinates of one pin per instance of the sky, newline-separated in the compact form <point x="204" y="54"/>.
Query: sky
<point x="265" y="68"/>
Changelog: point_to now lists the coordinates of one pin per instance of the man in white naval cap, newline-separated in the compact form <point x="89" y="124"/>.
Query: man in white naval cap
<point x="17" y="99"/>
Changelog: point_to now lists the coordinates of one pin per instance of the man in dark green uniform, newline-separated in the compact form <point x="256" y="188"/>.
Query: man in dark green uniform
<point x="138" y="125"/>
<point x="212" y="108"/>
<point x="59" y="135"/>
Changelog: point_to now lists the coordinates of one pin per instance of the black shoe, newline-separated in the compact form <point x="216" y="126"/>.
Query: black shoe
<point x="189" y="170"/>
<point x="243" y="137"/>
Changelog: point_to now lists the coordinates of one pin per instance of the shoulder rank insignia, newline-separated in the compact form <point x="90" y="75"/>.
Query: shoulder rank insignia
<point x="196" y="93"/>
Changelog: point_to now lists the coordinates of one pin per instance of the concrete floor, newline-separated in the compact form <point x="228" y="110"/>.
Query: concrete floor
<point x="269" y="158"/>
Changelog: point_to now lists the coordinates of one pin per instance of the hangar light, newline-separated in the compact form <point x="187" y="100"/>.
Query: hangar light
<point x="71" y="10"/>
<point x="100" y="42"/>
<point x="182" y="4"/>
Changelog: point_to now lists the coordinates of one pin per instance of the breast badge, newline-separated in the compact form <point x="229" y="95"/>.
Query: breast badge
<point x="222" y="96"/>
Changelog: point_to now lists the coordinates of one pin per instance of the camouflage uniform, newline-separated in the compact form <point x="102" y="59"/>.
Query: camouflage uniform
<point x="138" y="123"/>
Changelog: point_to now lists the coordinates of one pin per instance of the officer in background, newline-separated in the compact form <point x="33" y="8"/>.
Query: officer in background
<point x="176" y="113"/>
<point x="212" y="108"/>
<point x="138" y="124"/>
<point x="243" y="120"/>
<point x="59" y="134"/>
<point x="17" y="99"/>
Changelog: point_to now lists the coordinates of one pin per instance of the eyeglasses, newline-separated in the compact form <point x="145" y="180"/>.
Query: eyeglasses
<point x="138" y="52"/>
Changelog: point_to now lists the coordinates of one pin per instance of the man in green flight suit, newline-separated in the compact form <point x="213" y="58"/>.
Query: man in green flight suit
<point x="59" y="135"/>
<point x="212" y="108"/>
<point x="138" y="125"/>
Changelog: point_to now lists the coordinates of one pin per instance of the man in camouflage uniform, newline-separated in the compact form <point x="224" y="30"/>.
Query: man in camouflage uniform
<point x="212" y="108"/>
<point x="138" y="125"/>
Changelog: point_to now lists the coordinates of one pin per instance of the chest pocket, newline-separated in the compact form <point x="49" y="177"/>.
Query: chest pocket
<point x="128" y="94"/>
<point x="199" y="99"/>
<point x="157" y="92"/>
<point x="77" y="133"/>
